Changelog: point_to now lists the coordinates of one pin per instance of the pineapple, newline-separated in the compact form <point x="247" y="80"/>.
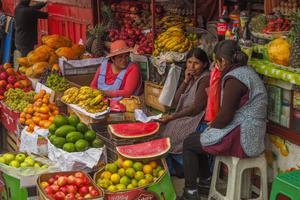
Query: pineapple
<point x="295" y="35"/>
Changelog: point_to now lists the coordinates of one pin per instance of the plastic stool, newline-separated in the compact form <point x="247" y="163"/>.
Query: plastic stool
<point x="236" y="167"/>
<point x="287" y="184"/>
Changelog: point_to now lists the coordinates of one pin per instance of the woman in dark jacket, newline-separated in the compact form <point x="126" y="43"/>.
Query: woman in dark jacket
<point x="239" y="128"/>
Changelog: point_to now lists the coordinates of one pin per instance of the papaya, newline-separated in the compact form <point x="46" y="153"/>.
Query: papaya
<point x="73" y="120"/>
<point x="74" y="136"/>
<point x="81" y="145"/>
<point x="81" y="127"/>
<point x="69" y="147"/>
<point x="59" y="142"/>
<point x="90" y="135"/>
<point x="60" y="120"/>
<point x="64" y="130"/>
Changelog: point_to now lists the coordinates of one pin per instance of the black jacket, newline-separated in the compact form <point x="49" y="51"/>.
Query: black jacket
<point x="26" y="24"/>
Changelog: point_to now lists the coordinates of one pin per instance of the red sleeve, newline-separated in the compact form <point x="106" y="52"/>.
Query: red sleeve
<point x="130" y="83"/>
<point x="95" y="79"/>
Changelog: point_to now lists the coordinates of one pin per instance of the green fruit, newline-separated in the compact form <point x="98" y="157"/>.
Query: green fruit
<point x="121" y="172"/>
<point x="130" y="172"/>
<point x="69" y="147"/>
<point x="104" y="183"/>
<point x="134" y="182"/>
<point x="81" y="127"/>
<point x="115" y="178"/>
<point x="125" y="180"/>
<point x="64" y="130"/>
<point x="90" y="135"/>
<point x="8" y="157"/>
<point x="51" y="138"/>
<point x="24" y="164"/>
<point x="149" y="178"/>
<point x="130" y="187"/>
<point x="59" y="142"/>
<point x="2" y="160"/>
<point x="111" y="167"/>
<point x="143" y="182"/>
<point x="74" y="136"/>
<point x="121" y="187"/>
<point x="37" y="165"/>
<point x="44" y="166"/>
<point x="73" y="120"/>
<point x="14" y="164"/>
<point x="97" y="143"/>
<point x="60" y="120"/>
<point x="112" y="188"/>
<point x="20" y="157"/>
<point x="52" y="128"/>
<point x="81" y="145"/>
<point x="139" y="175"/>
<point x="138" y="166"/>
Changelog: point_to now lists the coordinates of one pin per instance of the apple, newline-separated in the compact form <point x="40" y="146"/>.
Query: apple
<point x="71" y="189"/>
<point x="59" y="196"/>
<point x="54" y="188"/>
<point x="44" y="184"/>
<point x="20" y="157"/>
<point x="14" y="164"/>
<point x="61" y="181"/>
<point x="70" y="196"/>
<point x="29" y="161"/>
<point x="63" y="189"/>
<point x="94" y="193"/>
<point x="86" y="181"/>
<point x="3" y="76"/>
<point x="9" y="86"/>
<point x="8" y="157"/>
<point x="79" y="175"/>
<point x="78" y="196"/>
<point x="2" y="160"/>
<point x="79" y="182"/>
<point x="3" y="83"/>
<point x="48" y="190"/>
<point x="84" y="190"/>
<point x="55" y="182"/>
<point x="56" y="176"/>
<point x="2" y="91"/>
<point x="71" y="179"/>
<point x="24" y="164"/>
<point x="51" y="181"/>
<point x="18" y="85"/>
<point x="37" y="165"/>
<point x="12" y="79"/>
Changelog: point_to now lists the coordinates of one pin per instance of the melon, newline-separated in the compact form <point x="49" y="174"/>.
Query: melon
<point x="151" y="149"/>
<point x="134" y="130"/>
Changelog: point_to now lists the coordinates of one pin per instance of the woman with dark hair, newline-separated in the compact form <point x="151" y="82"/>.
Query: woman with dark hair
<point x="239" y="128"/>
<point x="190" y="100"/>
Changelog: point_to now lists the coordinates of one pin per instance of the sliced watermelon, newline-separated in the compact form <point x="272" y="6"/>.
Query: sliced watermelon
<point x="152" y="149"/>
<point x="134" y="130"/>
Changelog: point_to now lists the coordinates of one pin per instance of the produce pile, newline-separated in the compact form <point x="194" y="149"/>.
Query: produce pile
<point x="9" y="78"/>
<point x="173" y="39"/>
<point x="71" y="135"/>
<point x="20" y="160"/>
<point x="45" y="56"/>
<point x="87" y="98"/>
<point x="41" y="113"/>
<point x="269" y="24"/>
<point x="127" y="174"/>
<point x="18" y="100"/>
<point x="57" y="83"/>
<point x="73" y="186"/>
<point x="287" y="7"/>
<point x="175" y="20"/>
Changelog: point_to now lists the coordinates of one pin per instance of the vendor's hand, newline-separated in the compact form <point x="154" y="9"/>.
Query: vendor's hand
<point x="188" y="75"/>
<point x="166" y="118"/>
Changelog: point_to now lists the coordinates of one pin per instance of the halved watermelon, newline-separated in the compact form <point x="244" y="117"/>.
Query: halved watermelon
<point x="151" y="149"/>
<point x="134" y="130"/>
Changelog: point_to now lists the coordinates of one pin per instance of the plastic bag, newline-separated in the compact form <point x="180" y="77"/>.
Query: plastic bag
<point x="214" y="95"/>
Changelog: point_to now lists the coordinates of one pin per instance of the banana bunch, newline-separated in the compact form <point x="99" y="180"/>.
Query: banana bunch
<point x="173" y="39"/>
<point x="174" y="20"/>
<point x="87" y="98"/>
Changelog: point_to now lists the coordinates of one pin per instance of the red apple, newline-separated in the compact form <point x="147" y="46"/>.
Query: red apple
<point x="2" y="91"/>
<point x="1" y="68"/>
<point x="3" y="76"/>
<point x="3" y="83"/>
<point x="78" y="196"/>
<point x="61" y="181"/>
<point x="79" y="175"/>
<point x="79" y="182"/>
<point x="63" y="189"/>
<point x="71" y="189"/>
<point x="48" y="190"/>
<point x="54" y="188"/>
<point x="86" y="181"/>
<point x="94" y="193"/>
<point x="56" y="176"/>
<point x="12" y="79"/>
<point x="59" y="196"/>
<point x="55" y="182"/>
<point x="51" y="181"/>
<point x="84" y="190"/>
<point x="71" y="179"/>
<point x="70" y="196"/>
<point x="18" y="85"/>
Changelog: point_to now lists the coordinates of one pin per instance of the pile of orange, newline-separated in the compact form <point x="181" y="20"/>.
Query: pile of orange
<point x="41" y="113"/>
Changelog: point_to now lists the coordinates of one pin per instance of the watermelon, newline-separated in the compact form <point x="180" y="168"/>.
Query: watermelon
<point x="151" y="149"/>
<point x="134" y="130"/>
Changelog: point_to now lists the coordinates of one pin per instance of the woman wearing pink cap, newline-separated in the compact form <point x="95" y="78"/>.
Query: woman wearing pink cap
<point x="117" y="77"/>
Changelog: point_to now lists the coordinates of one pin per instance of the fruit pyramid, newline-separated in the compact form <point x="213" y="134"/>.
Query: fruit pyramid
<point x="128" y="174"/>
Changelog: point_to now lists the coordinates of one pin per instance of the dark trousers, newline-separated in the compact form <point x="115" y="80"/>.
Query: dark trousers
<point x="195" y="161"/>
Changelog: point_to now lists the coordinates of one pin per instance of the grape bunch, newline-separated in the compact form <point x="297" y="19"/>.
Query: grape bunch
<point x="17" y="99"/>
<point x="57" y="83"/>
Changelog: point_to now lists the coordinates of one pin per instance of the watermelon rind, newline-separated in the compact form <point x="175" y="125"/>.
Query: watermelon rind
<point x="131" y="151"/>
<point x="123" y="135"/>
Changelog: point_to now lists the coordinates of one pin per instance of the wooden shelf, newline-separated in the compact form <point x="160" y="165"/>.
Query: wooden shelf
<point x="288" y="134"/>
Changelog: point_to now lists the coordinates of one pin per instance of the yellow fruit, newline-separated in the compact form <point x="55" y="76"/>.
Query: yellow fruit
<point x="139" y="175"/>
<point x="115" y="178"/>
<point x="284" y="151"/>
<point x="121" y="172"/>
<point x="106" y="175"/>
<point x="112" y="188"/>
<point x="149" y="178"/>
<point x="104" y="183"/>
<point x="161" y="172"/>
<point x="127" y="164"/>
<point x="134" y="182"/>
<point x="279" y="51"/>
<point x="147" y="169"/>
<point x="153" y="164"/>
<point x="143" y="182"/>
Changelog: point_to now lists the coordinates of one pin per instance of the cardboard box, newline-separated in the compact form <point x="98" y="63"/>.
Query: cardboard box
<point x="161" y="189"/>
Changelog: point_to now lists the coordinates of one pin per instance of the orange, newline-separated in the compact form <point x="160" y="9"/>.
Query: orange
<point x="22" y="115"/>
<point x="28" y="121"/>
<point x="153" y="164"/>
<point x="22" y="120"/>
<point x="44" y="109"/>
<point x="10" y="72"/>
<point x="44" y="104"/>
<point x="51" y="119"/>
<point x="6" y="66"/>
<point x="35" y="109"/>
<point x="28" y="116"/>
<point x="46" y="124"/>
<point x="29" y="129"/>
<point x="44" y="116"/>
<point x="25" y="110"/>
<point x="30" y="110"/>
<point x="37" y="96"/>
<point x="38" y="103"/>
<point x="29" y="106"/>
<point x="36" y="119"/>
<point x="47" y="96"/>
<point x="56" y="112"/>
<point x="45" y="100"/>
<point x="42" y="93"/>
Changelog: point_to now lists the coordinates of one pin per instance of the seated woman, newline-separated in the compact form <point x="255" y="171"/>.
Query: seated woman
<point x="190" y="99"/>
<point x="240" y="126"/>
<point x="117" y="77"/>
